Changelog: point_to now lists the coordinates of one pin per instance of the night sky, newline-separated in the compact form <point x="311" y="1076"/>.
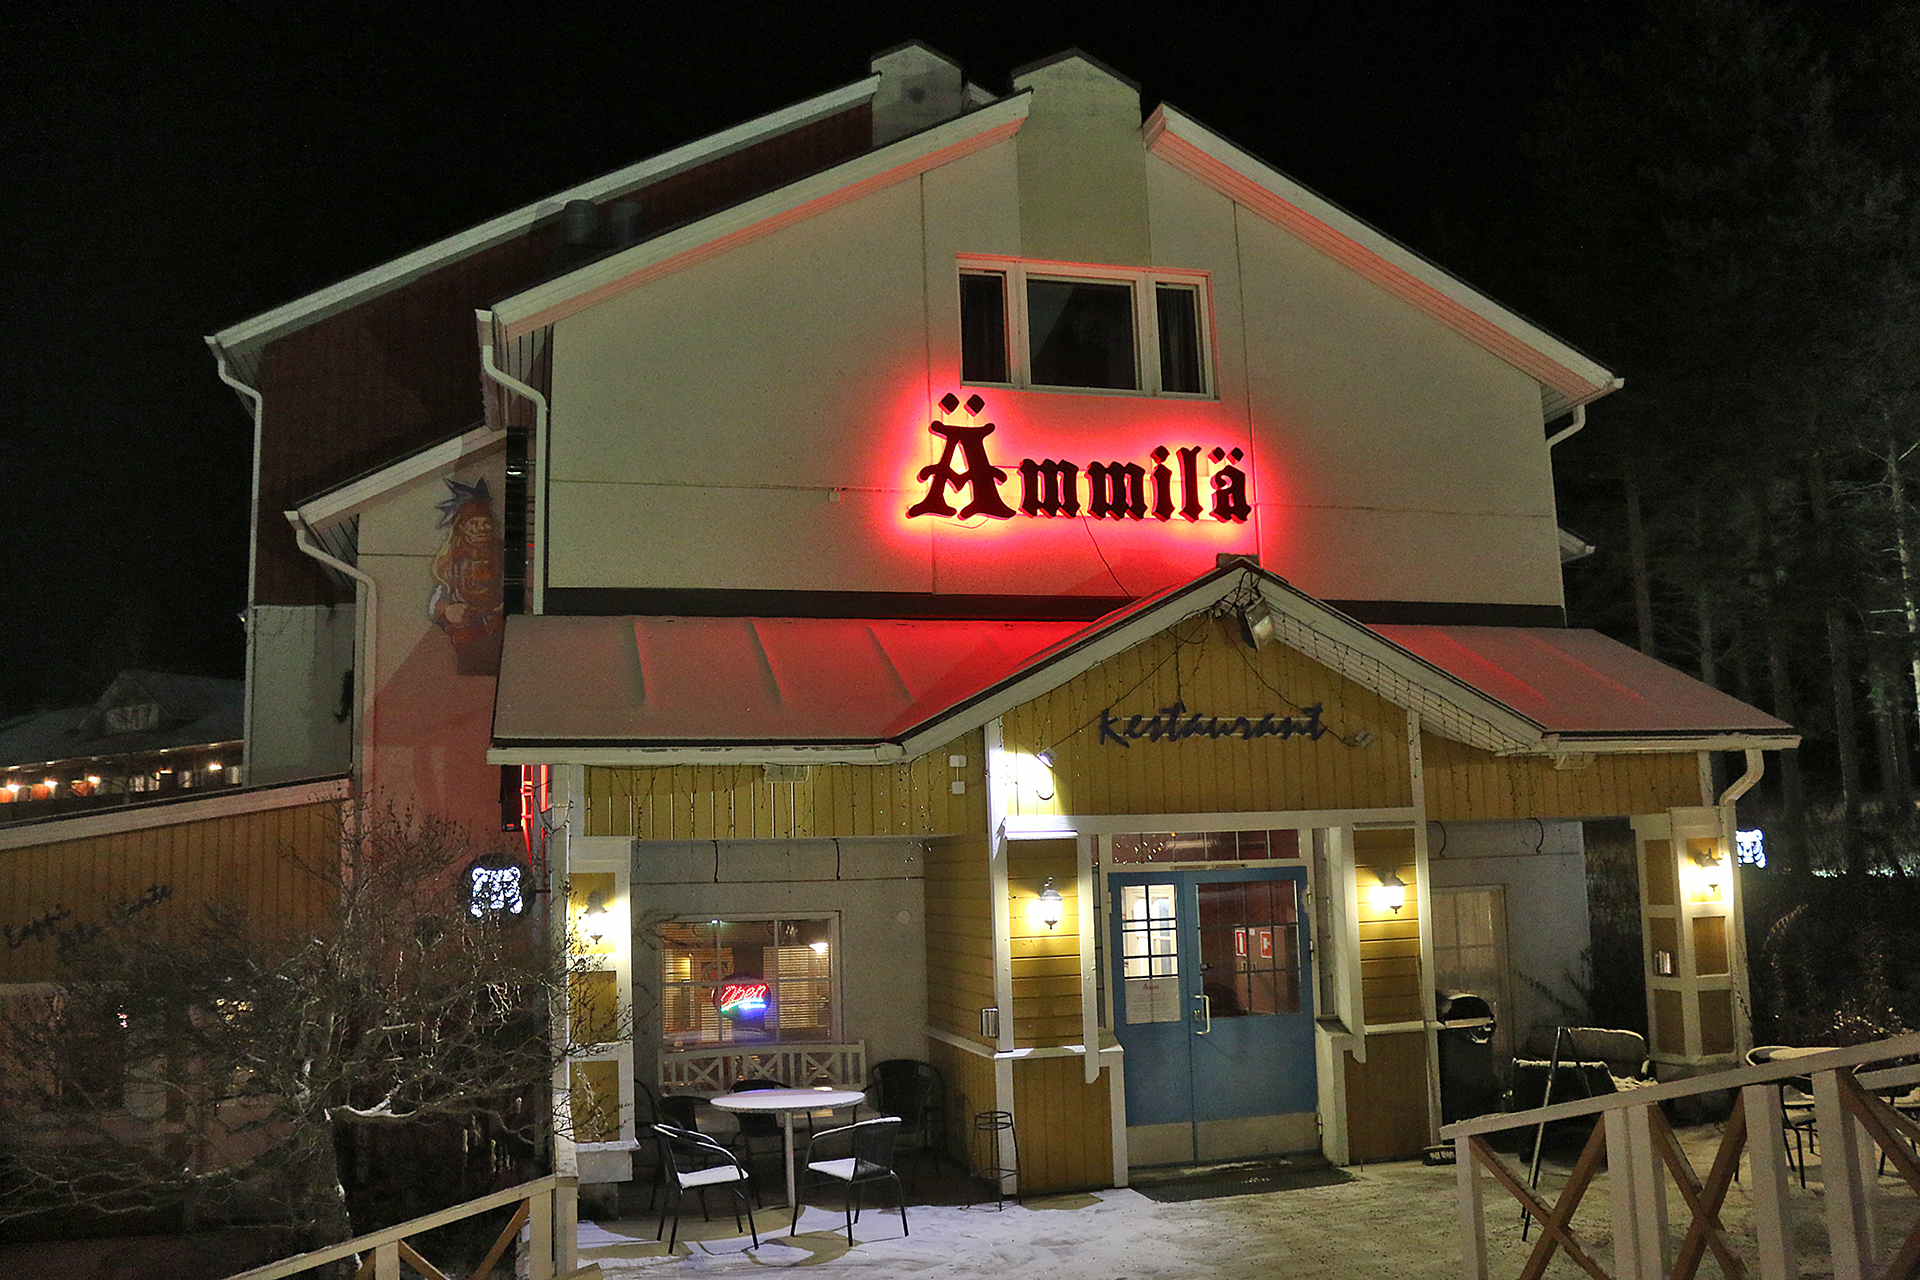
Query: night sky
<point x="173" y="170"/>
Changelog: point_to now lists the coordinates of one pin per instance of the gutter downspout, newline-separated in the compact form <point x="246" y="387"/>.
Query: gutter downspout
<point x="537" y="579"/>
<point x="365" y="675"/>
<point x="1737" y="926"/>
<point x="1756" y="766"/>
<point x="1571" y="429"/>
<point x="257" y="404"/>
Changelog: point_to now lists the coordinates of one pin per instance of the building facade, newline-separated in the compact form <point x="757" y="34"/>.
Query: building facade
<point x="990" y="580"/>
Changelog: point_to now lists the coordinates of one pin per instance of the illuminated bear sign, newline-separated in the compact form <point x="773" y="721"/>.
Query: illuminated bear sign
<point x="1050" y="487"/>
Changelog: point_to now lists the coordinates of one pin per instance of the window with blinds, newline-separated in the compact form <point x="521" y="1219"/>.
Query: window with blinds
<point x="764" y="981"/>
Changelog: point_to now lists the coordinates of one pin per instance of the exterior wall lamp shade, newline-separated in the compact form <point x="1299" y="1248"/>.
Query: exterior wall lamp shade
<point x="1390" y="893"/>
<point x="1051" y="906"/>
<point x="594" y="919"/>
<point x="1712" y="861"/>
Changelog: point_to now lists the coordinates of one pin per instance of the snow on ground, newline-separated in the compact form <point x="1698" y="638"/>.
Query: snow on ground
<point x="1116" y="1233"/>
<point x="1392" y="1222"/>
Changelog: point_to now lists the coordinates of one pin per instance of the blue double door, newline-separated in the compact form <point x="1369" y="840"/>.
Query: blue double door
<point x="1213" y="1004"/>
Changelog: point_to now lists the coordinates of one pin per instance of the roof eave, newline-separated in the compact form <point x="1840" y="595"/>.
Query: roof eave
<point x="240" y="341"/>
<point x="343" y="499"/>
<point x="708" y="237"/>
<point x="711" y="753"/>
<point x="1604" y="743"/>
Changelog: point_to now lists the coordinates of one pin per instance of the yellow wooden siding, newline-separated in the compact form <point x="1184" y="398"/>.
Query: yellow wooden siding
<point x="967" y="1079"/>
<point x="959" y="906"/>
<point x="1046" y="962"/>
<point x="1391" y="985"/>
<point x="736" y="802"/>
<point x="1199" y="665"/>
<point x="1065" y="1126"/>
<point x="247" y="860"/>
<point x="1465" y="784"/>
<point x="1387" y="1098"/>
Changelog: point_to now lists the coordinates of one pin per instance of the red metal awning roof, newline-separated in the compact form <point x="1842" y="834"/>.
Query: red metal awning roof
<point x="612" y="689"/>
<point x="597" y="681"/>
<point x="1575" y="682"/>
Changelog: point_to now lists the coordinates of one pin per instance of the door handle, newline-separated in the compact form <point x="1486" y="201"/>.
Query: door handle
<point x="1206" y="1014"/>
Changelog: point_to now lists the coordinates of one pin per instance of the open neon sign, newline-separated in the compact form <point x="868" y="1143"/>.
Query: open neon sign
<point x="741" y="999"/>
<point x="1171" y="486"/>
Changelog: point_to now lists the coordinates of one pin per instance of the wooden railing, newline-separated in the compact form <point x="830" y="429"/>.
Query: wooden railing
<point x="1640" y="1155"/>
<point x="712" y="1071"/>
<point x="549" y="1210"/>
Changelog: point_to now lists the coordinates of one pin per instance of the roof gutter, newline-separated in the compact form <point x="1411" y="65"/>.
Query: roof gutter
<point x="537" y="578"/>
<point x="1756" y="766"/>
<point x="365" y="669"/>
<point x="1579" y="422"/>
<point x="256" y="408"/>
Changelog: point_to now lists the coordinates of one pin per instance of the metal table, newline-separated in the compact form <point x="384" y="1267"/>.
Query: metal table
<point x="786" y="1103"/>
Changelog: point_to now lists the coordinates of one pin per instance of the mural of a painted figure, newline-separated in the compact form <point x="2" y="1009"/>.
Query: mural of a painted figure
<point x="466" y="602"/>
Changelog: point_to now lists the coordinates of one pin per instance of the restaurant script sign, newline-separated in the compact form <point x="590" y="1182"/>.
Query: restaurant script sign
<point x="1193" y="482"/>
<point x="1174" y="723"/>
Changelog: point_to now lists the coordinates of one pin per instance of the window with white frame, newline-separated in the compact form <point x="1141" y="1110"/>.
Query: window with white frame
<point x="753" y="981"/>
<point x="1084" y="328"/>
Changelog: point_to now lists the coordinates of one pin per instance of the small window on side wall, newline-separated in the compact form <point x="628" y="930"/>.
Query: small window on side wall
<point x="983" y="327"/>
<point x="1178" y="306"/>
<point x="1109" y="329"/>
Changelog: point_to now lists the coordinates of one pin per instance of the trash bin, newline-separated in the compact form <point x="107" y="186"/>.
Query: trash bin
<point x="1467" y="1084"/>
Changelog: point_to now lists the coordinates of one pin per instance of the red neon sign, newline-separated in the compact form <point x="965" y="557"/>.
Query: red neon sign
<point x="737" y="998"/>
<point x="1050" y="487"/>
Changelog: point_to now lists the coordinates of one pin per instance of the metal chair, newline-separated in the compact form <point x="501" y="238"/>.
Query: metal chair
<point x="681" y="1110"/>
<point x="912" y="1090"/>
<point x="1796" y="1104"/>
<point x="868" y="1147"/>
<point x="693" y="1161"/>
<point x="646" y="1113"/>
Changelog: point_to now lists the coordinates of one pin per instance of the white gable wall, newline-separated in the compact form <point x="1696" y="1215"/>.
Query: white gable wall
<point x="757" y="420"/>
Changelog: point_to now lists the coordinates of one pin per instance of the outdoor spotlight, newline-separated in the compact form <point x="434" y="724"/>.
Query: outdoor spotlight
<point x="1391" y="894"/>
<point x="1050" y="904"/>
<point x="1256" y="624"/>
<point x="1044" y="756"/>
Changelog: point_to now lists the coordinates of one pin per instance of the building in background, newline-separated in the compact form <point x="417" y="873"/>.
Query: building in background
<point x="987" y="579"/>
<point x="149" y="735"/>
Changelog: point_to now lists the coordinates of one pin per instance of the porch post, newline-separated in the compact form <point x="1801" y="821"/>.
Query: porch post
<point x="1693" y="965"/>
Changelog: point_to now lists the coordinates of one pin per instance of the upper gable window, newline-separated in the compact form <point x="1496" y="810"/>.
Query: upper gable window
<point x="1084" y="328"/>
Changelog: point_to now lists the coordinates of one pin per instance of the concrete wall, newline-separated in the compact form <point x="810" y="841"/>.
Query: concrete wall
<point x="1542" y="866"/>
<point x="297" y="657"/>
<point x="874" y="886"/>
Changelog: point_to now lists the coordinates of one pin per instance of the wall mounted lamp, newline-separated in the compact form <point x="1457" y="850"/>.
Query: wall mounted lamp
<point x="1391" y="893"/>
<point x="594" y="918"/>
<point x="1712" y="863"/>
<point x="1050" y="905"/>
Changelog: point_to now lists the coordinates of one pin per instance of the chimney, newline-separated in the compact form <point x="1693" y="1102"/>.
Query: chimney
<point x="918" y="89"/>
